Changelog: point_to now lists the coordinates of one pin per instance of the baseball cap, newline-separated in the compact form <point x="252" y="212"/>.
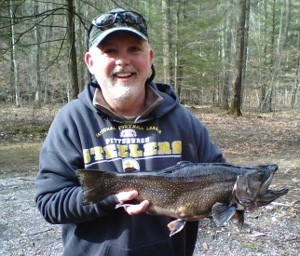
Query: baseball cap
<point x="116" y="20"/>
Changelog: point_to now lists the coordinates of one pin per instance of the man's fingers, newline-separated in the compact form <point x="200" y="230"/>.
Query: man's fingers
<point x="133" y="209"/>
<point x="139" y="208"/>
<point x="126" y="196"/>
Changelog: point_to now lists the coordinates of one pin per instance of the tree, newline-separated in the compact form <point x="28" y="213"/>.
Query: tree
<point x="180" y="7"/>
<point x="37" y="35"/>
<point x="14" y="62"/>
<point x="72" y="49"/>
<point x="244" y="8"/>
<point x="297" y="74"/>
<point x="166" y="39"/>
<point x="226" y="49"/>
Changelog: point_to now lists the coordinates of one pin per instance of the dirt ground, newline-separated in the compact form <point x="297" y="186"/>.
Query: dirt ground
<point x="252" y="139"/>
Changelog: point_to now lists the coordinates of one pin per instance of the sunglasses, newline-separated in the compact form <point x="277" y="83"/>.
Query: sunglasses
<point x="130" y="18"/>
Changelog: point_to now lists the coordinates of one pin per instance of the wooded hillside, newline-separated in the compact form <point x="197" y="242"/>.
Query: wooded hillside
<point x="235" y="54"/>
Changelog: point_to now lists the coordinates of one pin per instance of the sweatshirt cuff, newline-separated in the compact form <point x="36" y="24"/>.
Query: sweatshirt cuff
<point x="107" y="205"/>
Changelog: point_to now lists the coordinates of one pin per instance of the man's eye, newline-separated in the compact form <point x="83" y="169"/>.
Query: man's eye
<point x="135" y="49"/>
<point x="110" y="51"/>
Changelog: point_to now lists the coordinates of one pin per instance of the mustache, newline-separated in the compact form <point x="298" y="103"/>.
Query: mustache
<point x="126" y="69"/>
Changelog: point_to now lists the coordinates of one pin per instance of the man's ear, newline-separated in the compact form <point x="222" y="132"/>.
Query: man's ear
<point x="89" y="61"/>
<point x="151" y="56"/>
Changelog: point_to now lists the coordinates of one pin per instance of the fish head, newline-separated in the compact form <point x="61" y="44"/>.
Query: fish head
<point x="251" y="189"/>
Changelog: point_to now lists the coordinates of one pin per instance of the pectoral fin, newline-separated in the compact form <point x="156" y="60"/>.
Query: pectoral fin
<point x="176" y="226"/>
<point x="222" y="212"/>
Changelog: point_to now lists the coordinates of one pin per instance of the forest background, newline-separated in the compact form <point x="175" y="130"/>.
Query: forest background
<point x="234" y="54"/>
<point x="222" y="56"/>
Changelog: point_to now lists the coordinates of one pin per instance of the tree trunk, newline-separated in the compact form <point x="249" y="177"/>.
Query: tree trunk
<point x="235" y="107"/>
<point x="37" y="94"/>
<point x="73" y="57"/>
<point x="82" y="47"/>
<point x="178" y="72"/>
<point x="297" y="80"/>
<point x="14" y="65"/>
<point x="166" y="39"/>
<point x="227" y="59"/>
<point x="245" y="55"/>
<point x="176" y="52"/>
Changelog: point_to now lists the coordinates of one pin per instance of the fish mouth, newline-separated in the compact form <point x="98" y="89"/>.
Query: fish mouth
<point x="270" y="196"/>
<point x="266" y="195"/>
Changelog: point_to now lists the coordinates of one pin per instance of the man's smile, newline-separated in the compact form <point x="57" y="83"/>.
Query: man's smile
<point x="123" y="75"/>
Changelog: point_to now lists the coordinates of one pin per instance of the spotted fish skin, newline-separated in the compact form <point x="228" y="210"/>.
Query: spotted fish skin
<point x="188" y="191"/>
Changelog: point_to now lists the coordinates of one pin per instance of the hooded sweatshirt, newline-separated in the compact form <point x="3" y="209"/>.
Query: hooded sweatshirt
<point x="85" y="134"/>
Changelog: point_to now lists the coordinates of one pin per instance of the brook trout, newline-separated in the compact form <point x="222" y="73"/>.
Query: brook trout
<point x="189" y="191"/>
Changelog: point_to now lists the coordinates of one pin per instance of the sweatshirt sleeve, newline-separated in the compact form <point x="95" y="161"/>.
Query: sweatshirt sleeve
<point x="58" y="192"/>
<point x="205" y="151"/>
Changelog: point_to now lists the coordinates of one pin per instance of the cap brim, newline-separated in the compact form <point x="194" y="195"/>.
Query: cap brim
<point x="105" y="33"/>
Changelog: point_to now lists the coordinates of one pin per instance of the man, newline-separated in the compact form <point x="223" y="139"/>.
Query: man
<point x="121" y="122"/>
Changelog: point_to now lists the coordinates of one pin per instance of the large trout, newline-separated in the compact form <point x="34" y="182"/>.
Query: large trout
<point x="189" y="191"/>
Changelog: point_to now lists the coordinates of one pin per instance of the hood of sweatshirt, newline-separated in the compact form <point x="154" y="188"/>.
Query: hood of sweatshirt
<point x="166" y="101"/>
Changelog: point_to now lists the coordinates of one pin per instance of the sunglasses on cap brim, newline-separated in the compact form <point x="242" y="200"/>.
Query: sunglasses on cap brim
<point x="130" y="18"/>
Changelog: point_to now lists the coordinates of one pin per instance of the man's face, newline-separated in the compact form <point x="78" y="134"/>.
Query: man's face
<point x="121" y="64"/>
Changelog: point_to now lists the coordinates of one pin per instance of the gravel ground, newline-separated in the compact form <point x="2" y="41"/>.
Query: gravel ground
<point x="22" y="230"/>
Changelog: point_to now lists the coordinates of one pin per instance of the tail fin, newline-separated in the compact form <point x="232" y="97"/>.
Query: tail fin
<point x="96" y="185"/>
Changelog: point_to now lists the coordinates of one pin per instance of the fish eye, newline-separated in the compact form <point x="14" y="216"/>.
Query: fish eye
<point x="260" y="173"/>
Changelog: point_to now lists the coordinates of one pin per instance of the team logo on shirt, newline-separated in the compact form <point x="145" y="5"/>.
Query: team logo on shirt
<point x="127" y="133"/>
<point x="130" y="165"/>
<point x="129" y="143"/>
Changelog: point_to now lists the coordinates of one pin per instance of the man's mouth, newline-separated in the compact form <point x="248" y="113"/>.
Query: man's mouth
<point x="124" y="75"/>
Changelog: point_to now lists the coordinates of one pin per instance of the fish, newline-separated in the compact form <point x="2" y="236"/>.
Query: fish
<point x="188" y="191"/>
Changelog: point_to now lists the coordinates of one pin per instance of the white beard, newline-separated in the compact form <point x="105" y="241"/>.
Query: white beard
<point x="122" y="93"/>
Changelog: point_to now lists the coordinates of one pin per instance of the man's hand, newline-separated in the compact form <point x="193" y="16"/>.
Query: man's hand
<point x="132" y="209"/>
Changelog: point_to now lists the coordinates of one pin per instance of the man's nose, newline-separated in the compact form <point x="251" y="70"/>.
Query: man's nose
<point x="123" y="59"/>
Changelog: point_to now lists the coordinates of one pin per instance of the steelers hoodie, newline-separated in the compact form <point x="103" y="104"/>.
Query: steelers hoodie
<point x="86" y="133"/>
